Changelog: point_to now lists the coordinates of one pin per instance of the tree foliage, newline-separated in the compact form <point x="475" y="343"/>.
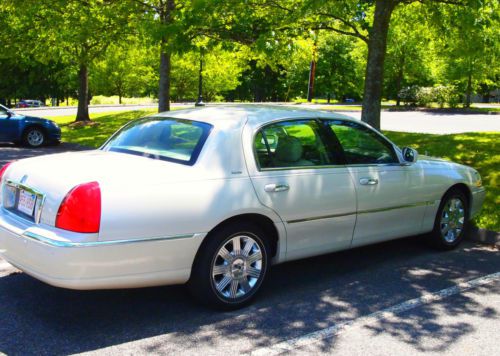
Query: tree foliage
<point x="257" y="50"/>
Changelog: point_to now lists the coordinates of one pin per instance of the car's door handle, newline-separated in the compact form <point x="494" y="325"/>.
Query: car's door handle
<point x="276" y="187"/>
<point x="368" y="181"/>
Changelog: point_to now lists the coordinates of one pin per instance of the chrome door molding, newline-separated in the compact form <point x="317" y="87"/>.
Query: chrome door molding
<point x="312" y="218"/>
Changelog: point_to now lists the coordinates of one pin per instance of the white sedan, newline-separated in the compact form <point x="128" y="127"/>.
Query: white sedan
<point x="214" y="196"/>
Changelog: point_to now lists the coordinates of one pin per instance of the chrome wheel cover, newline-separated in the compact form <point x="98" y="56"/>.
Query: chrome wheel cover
<point x="452" y="219"/>
<point x="35" y="137"/>
<point x="237" y="267"/>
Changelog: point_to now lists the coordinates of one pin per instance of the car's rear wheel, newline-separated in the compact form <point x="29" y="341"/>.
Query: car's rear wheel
<point x="451" y="221"/>
<point x="34" y="137"/>
<point x="230" y="267"/>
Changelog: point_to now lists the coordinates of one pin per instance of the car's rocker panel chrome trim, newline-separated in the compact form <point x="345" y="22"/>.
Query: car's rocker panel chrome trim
<point x="312" y="218"/>
<point x="56" y="243"/>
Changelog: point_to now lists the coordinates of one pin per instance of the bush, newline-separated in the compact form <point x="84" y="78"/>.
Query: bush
<point x="424" y="96"/>
<point x="446" y="95"/>
<point x="409" y="94"/>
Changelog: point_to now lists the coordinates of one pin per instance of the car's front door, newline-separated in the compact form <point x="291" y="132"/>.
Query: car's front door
<point x="8" y="126"/>
<point x="390" y="199"/>
<point x="295" y="173"/>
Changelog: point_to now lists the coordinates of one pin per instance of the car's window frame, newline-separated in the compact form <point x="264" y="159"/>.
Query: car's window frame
<point x="335" y="155"/>
<point x="196" y="151"/>
<point x="381" y="138"/>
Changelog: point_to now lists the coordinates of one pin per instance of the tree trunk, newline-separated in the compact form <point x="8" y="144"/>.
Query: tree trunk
<point x="374" y="77"/>
<point x="164" y="90"/>
<point x="83" y="94"/>
<point x="468" y="91"/>
<point x="167" y="7"/>
<point x="399" y="80"/>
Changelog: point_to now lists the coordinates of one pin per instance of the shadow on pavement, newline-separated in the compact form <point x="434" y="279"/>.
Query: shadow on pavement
<point x="299" y="297"/>
<point x="11" y="152"/>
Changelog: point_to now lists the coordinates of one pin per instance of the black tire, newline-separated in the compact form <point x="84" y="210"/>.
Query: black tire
<point x="447" y="236"/>
<point x="34" y="137"/>
<point x="204" y="285"/>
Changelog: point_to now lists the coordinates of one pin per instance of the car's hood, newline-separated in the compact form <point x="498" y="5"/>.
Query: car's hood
<point x="431" y="159"/>
<point x="32" y="119"/>
<point x="440" y="163"/>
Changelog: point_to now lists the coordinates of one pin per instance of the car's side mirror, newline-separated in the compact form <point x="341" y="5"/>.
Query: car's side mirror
<point x="410" y="155"/>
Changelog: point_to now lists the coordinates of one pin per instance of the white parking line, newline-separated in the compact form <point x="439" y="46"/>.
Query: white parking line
<point x="5" y="268"/>
<point x="4" y="264"/>
<point x="336" y="329"/>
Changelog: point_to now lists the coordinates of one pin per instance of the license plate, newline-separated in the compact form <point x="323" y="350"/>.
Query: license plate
<point x="26" y="203"/>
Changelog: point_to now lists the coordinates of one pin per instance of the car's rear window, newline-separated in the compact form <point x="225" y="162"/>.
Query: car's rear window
<point x="168" y="139"/>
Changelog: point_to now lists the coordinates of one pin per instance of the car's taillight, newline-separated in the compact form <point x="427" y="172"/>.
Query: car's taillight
<point x="80" y="211"/>
<point x="3" y="169"/>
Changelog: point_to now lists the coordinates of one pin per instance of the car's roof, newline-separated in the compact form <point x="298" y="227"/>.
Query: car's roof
<point x="256" y="114"/>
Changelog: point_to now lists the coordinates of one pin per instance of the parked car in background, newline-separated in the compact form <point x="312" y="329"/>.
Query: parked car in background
<point x="215" y="196"/>
<point x="28" y="130"/>
<point x="29" y="104"/>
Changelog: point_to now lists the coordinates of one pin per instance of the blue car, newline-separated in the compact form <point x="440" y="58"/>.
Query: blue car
<point x="27" y="130"/>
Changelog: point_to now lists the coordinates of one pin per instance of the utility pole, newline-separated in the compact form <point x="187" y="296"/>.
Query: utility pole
<point x="312" y="71"/>
<point x="200" y="102"/>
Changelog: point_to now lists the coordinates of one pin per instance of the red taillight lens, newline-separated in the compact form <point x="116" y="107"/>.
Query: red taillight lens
<point x="3" y="169"/>
<point x="80" y="210"/>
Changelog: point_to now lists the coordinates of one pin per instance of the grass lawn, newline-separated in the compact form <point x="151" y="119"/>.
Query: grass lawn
<point x="95" y="136"/>
<point x="479" y="150"/>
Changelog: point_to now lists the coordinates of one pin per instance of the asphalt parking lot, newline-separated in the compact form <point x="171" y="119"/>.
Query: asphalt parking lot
<point x="399" y="297"/>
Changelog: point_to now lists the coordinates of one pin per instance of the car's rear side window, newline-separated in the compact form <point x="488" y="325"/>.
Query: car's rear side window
<point x="290" y="144"/>
<point x="170" y="139"/>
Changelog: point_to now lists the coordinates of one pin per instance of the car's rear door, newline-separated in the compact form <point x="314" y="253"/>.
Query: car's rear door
<point x="390" y="196"/>
<point x="295" y="173"/>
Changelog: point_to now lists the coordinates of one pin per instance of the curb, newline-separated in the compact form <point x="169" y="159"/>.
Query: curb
<point x="483" y="236"/>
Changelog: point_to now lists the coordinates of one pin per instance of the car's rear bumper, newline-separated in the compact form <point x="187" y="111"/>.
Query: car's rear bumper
<point x="97" y="264"/>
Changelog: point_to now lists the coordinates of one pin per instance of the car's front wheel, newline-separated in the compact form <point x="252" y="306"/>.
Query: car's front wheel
<point x="231" y="266"/>
<point x="451" y="220"/>
<point x="34" y="137"/>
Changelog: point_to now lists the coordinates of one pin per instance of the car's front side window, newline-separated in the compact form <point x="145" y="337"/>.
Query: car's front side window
<point x="362" y="145"/>
<point x="294" y="143"/>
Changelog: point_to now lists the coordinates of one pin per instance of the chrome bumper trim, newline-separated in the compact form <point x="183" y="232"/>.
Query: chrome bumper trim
<point x="65" y="244"/>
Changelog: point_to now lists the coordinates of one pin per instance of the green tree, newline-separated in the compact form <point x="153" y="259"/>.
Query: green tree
<point x="467" y="38"/>
<point x="338" y="72"/>
<point x="71" y="31"/>
<point x="124" y="71"/>
<point x="411" y="58"/>
<point x="367" y="20"/>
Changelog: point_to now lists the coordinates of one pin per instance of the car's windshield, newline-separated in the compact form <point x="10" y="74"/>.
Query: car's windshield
<point x="4" y="110"/>
<point x="168" y="139"/>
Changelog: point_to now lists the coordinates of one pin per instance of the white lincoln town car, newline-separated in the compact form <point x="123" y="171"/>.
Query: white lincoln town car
<point x="212" y="197"/>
